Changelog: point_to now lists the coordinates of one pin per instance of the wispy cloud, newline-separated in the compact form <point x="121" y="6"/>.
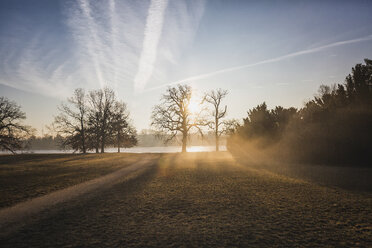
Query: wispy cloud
<point x="152" y="34"/>
<point x="182" y="20"/>
<point x="94" y="42"/>
<point x="96" y="45"/>
<point x="267" y="61"/>
<point x="99" y="43"/>
<point x="114" y="40"/>
<point x="24" y="71"/>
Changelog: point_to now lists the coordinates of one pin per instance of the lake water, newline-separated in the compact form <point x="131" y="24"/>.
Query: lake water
<point x="159" y="149"/>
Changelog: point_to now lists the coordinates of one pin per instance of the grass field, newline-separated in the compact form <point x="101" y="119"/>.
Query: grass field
<point x="27" y="176"/>
<point x="194" y="200"/>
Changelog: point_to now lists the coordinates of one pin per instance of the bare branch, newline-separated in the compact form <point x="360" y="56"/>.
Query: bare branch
<point x="214" y="98"/>
<point x="173" y="117"/>
<point x="12" y="131"/>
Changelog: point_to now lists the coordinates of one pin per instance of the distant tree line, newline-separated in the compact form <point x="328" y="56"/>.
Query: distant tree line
<point x="335" y="127"/>
<point x="93" y="121"/>
<point x="46" y="142"/>
<point x="146" y="138"/>
<point x="149" y="138"/>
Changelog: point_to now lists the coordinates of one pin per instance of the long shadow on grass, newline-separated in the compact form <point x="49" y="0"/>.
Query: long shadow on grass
<point x="25" y="158"/>
<point x="358" y="179"/>
<point x="83" y="221"/>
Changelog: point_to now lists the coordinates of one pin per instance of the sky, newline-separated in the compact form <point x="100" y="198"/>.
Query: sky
<point x="273" y="51"/>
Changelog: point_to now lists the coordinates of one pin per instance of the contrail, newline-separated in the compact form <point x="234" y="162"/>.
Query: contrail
<point x="84" y="5"/>
<point x="153" y="29"/>
<point x="267" y="61"/>
<point x="114" y="30"/>
<point x="106" y="42"/>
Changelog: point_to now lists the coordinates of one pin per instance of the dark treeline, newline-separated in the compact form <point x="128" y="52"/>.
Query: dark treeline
<point x="335" y="127"/>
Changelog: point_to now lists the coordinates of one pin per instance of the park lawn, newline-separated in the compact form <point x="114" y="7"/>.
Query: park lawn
<point x="204" y="200"/>
<point x="26" y="176"/>
<point x="212" y="200"/>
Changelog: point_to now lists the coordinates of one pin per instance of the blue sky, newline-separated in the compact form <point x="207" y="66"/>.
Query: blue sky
<point x="273" y="51"/>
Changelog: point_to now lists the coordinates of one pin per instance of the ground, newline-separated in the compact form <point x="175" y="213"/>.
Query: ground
<point x="194" y="200"/>
<point x="27" y="176"/>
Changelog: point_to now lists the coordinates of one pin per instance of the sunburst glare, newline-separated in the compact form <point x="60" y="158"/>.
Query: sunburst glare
<point x="194" y="105"/>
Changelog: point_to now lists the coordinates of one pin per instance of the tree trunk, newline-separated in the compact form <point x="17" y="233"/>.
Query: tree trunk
<point x="83" y="141"/>
<point x="118" y="142"/>
<point x="103" y="143"/>
<point x="216" y="133"/>
<point x="84" y="149"/>
<point x="184" y="140"/>
<point x="217" y="143"/>
<point x="97" y="143"/>
<point x="83" y="136"/>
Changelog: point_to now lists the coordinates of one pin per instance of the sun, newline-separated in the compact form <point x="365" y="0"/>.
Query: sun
<point x="194" y="106"/>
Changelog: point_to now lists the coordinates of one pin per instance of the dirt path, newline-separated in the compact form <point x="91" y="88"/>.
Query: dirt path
<point x="34" y="206"/>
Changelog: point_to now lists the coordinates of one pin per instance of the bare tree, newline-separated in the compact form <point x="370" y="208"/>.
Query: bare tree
<point x="123" y="134"/>
<point x="109" y="121"/>
<point x="12" y="131"/>
<point x="71" y="121"/>
<point x="94" y="119"/>
<point x="173" y="116"/>
<point x="215" y="97"/>
<point x="101" y="102"/>
<point x="230" y="126"/>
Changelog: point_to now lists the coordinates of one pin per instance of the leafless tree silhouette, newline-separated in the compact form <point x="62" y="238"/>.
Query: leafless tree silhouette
<point x="12" y="131"/>
<point x="101" y="102"/>
<point x="173" y="116"/>
<point x="71" y="121"/>
<point x="123" y="133"/>
<point x="214" y="98"/>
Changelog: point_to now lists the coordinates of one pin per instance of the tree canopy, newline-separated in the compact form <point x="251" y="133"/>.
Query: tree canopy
<point x="333" y="127"/>
<point x="12" y="131"/>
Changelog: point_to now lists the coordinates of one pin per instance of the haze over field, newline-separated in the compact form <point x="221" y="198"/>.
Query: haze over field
<point x="278" y="52"/>
<point x="185" y="123"/>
